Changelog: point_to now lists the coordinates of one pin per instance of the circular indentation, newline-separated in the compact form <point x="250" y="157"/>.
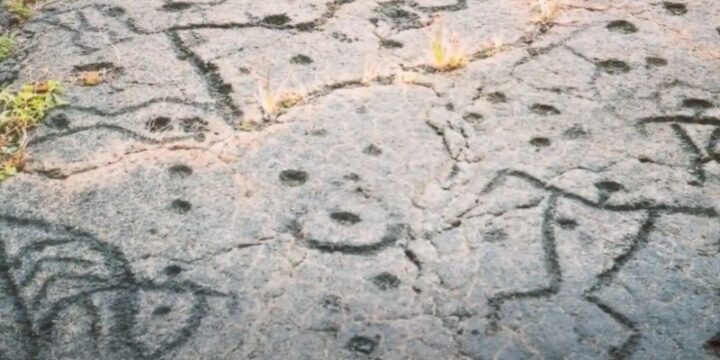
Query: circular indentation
<point x="113" y="11"/>
<point x="59" y="121"/>
<point x="362" y="344"/>
<point x="540" y="142"/>
<point x="614" y="66"/>
<point x="496" y="97"/>
<point x="544" y="109"/>
<point x="180" y="206"/>
<point x="396" y="14"/>
<point x="318" y="132"/>
<point x="180" y="170"/>
<point x="494" y="236"/>
<point x="158" y="124"/>
<point x="675" y="8"/>
<point x="622" y="26"/>
<point x="575" y="132"/>
<point x="332" y="303"/>
<point x="372" y="150"/>
<point x="193" y="125"/>
<point x="342" y="37"/>
<point x="293" y="177"/>
<point x="697" y="104"/>
<point x="345" y="218"/>
<point x="386" y="281"/>
<point x="224" y="89"/>
<point x="362" y="192"/>
<point x="162" y="310"/>
<point x="301" y="59"/>
<point x="567" y="224"/>
<point x="713" y="344"/>
<point x="608" y="186"/>
<point x="655" y="61"/>
<point x="172" y="270"/>
<point x="176" y="6"/>
<point x="391" y="44"/>
<point x="277" y="20"/>
<point x="472" y="117"/>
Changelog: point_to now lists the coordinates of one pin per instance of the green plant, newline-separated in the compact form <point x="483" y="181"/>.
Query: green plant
<point x="272" y="101"/>
<point x="91" y="78"/>
<point x="22" y="111"/>
<point x="548" y="10"/>
<point x="267" y="97"/>
<point x="7" y="44"/>
<point x="447" y="53"/>
<point x="490" y="48"/>
<point x="20" y="8"/>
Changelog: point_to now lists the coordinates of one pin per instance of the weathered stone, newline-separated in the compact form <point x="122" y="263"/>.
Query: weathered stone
<point x="557" y="197"/>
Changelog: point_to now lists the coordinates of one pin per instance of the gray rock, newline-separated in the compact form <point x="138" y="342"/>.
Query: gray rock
<point x="555" y="199"/>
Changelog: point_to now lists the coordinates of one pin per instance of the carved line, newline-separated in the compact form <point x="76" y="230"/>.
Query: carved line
<point x="121" y="281"/>
<point x="113" y="128"/>
<point x="688" y="145"/>
<point x="392" y="235"/>
<point x="654" y="211"/>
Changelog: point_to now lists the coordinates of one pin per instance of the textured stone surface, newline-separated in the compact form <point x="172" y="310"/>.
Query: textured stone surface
<point x="556" y="199"/>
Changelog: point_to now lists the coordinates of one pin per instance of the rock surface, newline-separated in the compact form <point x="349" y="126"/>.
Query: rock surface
<point x="557" y="198"/>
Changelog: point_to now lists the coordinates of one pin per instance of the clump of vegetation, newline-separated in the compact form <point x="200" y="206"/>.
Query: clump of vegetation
<point x="490" y="49"/>
<point x="447" y="52"/>
<point x="273" y="101"/>
<point x="21" y="8"/>
<point x="548" y="10"/>
<point x="22" y="111"/>
<point x="370" y="71"/>
<point x="91" y="78"/>
<point x="7" y="46"/>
